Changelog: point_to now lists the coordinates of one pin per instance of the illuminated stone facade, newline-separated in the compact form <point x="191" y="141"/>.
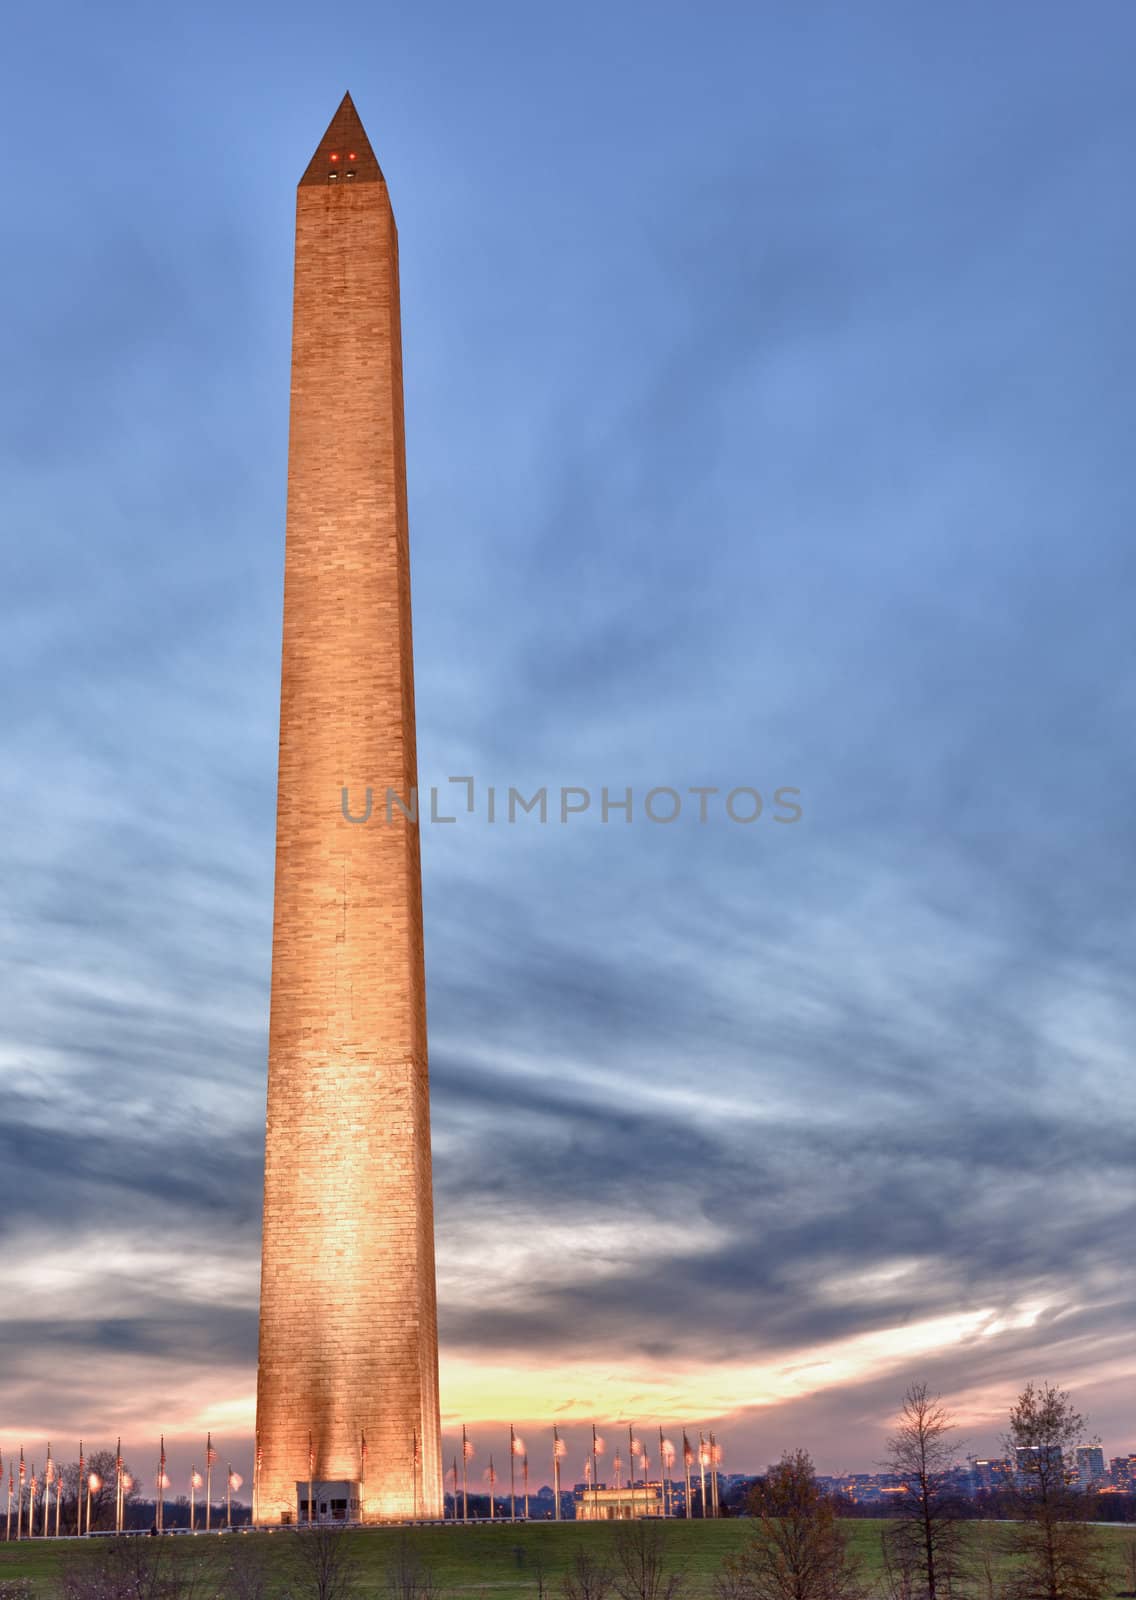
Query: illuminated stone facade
<point x="348" y="1324"/>
<point x="618" y="1505"/>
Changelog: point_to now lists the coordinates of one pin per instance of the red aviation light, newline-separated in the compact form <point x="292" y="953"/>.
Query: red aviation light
<point x="333" y="156"/>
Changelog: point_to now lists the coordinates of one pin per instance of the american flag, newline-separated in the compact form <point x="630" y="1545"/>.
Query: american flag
<point x="687" y="1452"/>
<point x="417" y="1457"/>
<point x="210" y="1453"/>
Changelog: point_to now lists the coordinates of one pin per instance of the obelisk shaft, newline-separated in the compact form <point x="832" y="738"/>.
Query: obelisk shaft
<point x="348" y="1323"/>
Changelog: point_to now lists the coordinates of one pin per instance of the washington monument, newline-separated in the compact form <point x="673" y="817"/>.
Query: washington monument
<point x="347" y="1382"/>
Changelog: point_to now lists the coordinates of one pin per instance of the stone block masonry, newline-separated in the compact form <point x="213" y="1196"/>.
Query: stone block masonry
<point x="348" y="1321"/>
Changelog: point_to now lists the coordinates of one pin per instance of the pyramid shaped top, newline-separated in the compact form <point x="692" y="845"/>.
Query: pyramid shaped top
<point x="344" y="154"/>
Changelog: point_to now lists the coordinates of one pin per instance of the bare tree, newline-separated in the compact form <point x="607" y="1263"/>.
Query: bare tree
<point x="248" y="1572"/>
<point x="324" y="1564"/>
<point x="1058" y="1556"/>
<point x="799" y="1549"/>
<point x="730" y="1582"/>
<point x="1130" y="1567"/>
<point x="408" y="1576"/>
<point x="923" y="1550"/>
<point x="641" y="1568"/>
<point x="102" y="1464"/>
<point x="588" y="1579"/>
<point x="985" y="1571"/>
<point x="137" y="1569"/>
<point x="901" y="1568"/>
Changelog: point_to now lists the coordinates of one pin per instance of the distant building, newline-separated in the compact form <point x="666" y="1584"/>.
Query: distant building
<point x="618" y="1505"/>
<point x="1033" y="1459"/>
<point x="1122" y="1470"/>
<point x="988" y="1473"/>
<point x="1090" y="1465"/>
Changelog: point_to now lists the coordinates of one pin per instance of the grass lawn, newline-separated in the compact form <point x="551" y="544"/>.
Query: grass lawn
<point x="504" y="1561"/>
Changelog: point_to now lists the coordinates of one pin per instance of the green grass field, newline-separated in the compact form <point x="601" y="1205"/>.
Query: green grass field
<point x="505" y="1561"/>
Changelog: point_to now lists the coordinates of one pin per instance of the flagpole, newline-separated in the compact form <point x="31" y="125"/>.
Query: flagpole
<point x="492" y="1481"/>
<point x="465" y="1474"/>
<point x="31" y="1502"/>
<point x="208" y="1480"/>
<point x="193" y="1499"/>
<point x="233" y="1481"/>
<point x="686" y="1456"/>
<point x="556" y="1471"/>
<point x="702" y="1473"/>
<point x="455" y="1489"/>
<point x="596" y="1480"/>
<point x="48" y="1475"/>
<point x="11" y="1486"/>
<point x="512" y="1473"/>
<point x="414" y="1473"/>
<point x="20" y="1499"/>
<point x="525" y="1481"/>
<point x="311" y="1476"/>
<point x="78" y="1493"/>
<point x="362" y="1477"/>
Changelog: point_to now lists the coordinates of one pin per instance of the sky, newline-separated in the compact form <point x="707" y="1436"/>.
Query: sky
<point x="769" y="383"/>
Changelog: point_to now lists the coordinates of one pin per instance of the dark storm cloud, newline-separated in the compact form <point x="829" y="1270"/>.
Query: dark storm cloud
<point x="221" y="1334"/>
<point x="947" y="1189"/>
<point x="180" y="1169"/>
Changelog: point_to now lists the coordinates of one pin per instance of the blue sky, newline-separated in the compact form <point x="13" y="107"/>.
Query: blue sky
<point x="769" y="383"/>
